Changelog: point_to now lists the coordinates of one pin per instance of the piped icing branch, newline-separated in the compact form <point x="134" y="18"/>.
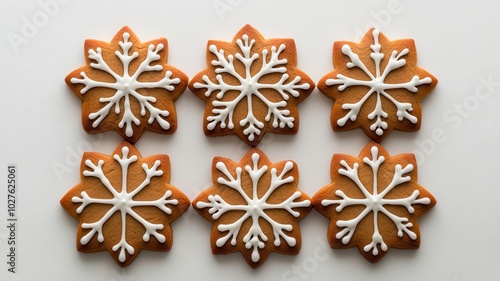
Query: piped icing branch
<point x="251" y="86"/>
<point x="127" y="86"/>
<point x="376" y="86"/>
<point x="263" y="202"/>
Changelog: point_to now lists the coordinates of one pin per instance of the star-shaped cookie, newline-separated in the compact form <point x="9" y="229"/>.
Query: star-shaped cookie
<point x="373" y="202"/>
<point x="124" y="203"/>
<point x="254" y="206"/>
<point x="251" y="86"/>
<point x="376" y="86"/>
<point x="127" y="86"/>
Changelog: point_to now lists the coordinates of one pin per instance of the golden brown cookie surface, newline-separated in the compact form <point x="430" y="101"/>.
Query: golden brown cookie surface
<point x="251" y="86"/>
<point x="376" y="86"/>
<point x="373" y="202"/>
<point x="127" y="86"/>
<point x="254" y="206"/>
<point x="124" y="203"/>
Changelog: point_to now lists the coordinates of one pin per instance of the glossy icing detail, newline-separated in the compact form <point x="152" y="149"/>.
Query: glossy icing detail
<point x="126" y="86"/>
<point x="256" y="205"/>
<point x="377" y="86"/>
<point x="251" y="86"/>
<point x="123" y="202"/>
<point x="375" y="201"/>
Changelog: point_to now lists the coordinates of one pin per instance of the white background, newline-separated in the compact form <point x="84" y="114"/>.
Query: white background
<point x="456" y="42"/>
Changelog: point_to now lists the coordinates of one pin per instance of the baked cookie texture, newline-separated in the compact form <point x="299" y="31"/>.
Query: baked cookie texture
<point x="126" y="85"/>
<point x="124" y="204"/>
<point x="254" y="206"/>
<point x="376" y="86"/>
<point x="251" y="86"/>
<point x="373" y="202"/>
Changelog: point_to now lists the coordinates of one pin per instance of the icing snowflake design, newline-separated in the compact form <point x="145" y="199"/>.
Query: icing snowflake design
<point x="252" y="87"/>
<point x="123" y="202"/>
<point x="255" y="207"/>
<point x="379" y="87"/>
<point x="375" y="200"/>
<point x="128" y="88"/>
<point x="126" y="194"/>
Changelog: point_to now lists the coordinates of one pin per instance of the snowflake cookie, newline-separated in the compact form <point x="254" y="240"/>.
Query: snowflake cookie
<point x="127" y="86"/>
<point x="254" y="206"/>
<point x="373" y="202"/>
<point x="376" y="86"/>
<point x="251" y="86"/>
<point x="124" y="203"/>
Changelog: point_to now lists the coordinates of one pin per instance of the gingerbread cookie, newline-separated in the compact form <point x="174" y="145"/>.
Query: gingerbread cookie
<point x="251" y="86"/>
<point x="127" y="86"/>
<point x="254" y="206"/>
<point x="373" y="202"/>
<point x="376" y="86"/>
<point x="124" y="203"/>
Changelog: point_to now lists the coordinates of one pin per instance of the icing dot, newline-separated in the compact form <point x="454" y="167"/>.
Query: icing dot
<point x="378" y="85"/>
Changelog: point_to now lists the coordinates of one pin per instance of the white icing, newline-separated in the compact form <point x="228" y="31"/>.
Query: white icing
<point x="375" y="202"/>
<point x="126" y="86"/>
<point x="123" y="202"/>
<point x="249" y="86"/>
<point x="377" y="86"/>
<point x="255" y="207"/>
